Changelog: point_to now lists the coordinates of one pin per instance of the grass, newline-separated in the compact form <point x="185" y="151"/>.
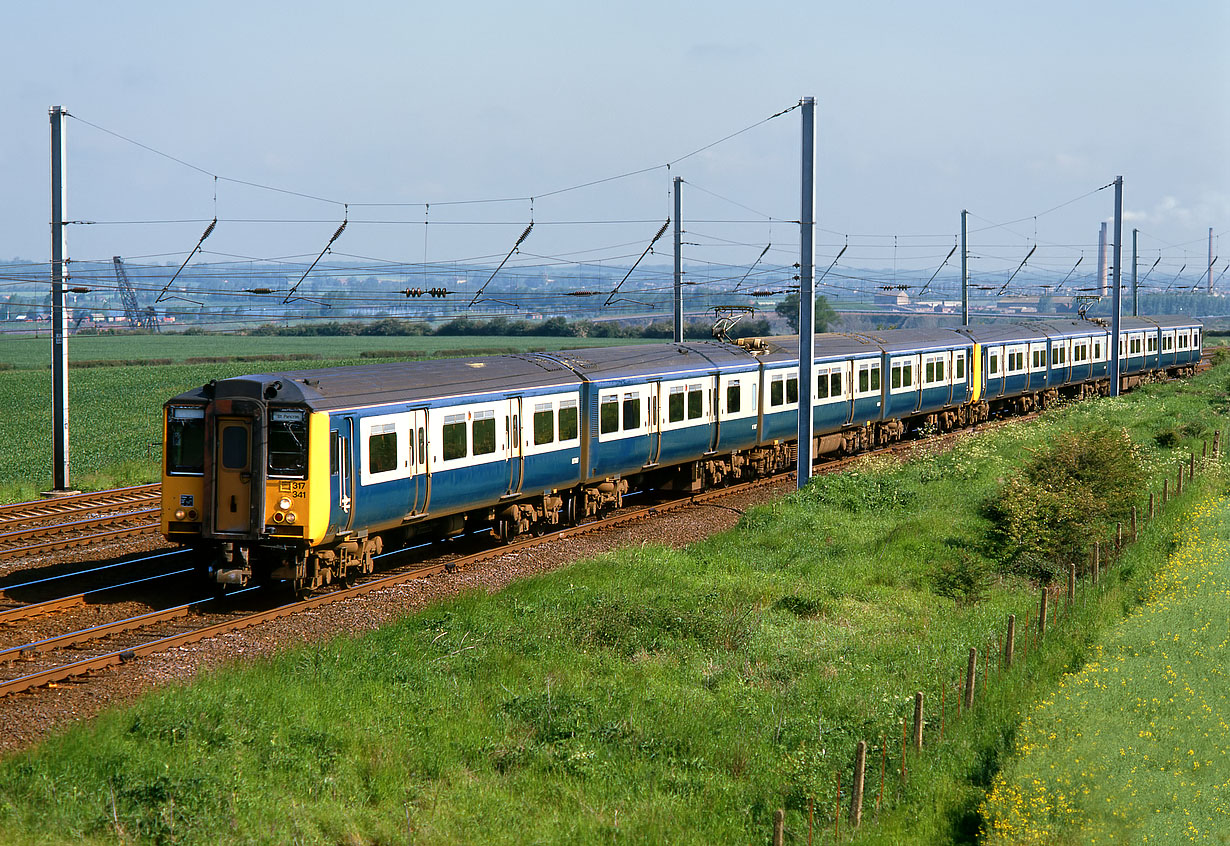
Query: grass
<point x="652" y="695"/>
<point x="1132" y="747"/>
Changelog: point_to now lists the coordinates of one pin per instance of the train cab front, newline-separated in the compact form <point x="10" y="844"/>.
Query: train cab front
<point x="236" y="483"/>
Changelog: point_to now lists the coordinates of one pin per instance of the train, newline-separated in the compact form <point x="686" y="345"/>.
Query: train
<point x="306" y="476"/>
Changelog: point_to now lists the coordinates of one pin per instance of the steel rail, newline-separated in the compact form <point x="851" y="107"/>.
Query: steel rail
<point x="77" y="525"/>
<point x="79" y="540"/>
<point x="25" y="519"/>
<point x="96" y="632"/>
<point x="11" y="616"/>
<point x="56" y="504"/>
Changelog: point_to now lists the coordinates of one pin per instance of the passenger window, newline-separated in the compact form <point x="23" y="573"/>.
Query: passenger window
<point x="992" y="364"/>
<point x="835" y="384"/>
<point x="930" y="372"/>
<point x="822" y="386"/>
<point x="674" y="404"/>
<point x="454" y="440"/>
<point x="608" y="415"/>
<point x="422" y="446"/>
<point x="777" y="391"/>
<point x="732" y="398"/>
<point x="875" y="377"/>
<point x="568" y="420"/>
<point x="961" y="366"/>
<point x="382" y="448"/>
<point x="694" y="402"/>
<point x="632" y="412"/>
<point x="333" y="453"/>
<point x="482" y="432"/>
<point x="896" y="376"/>
<point x="907" y="374"/>
<point x="863" y="380"/>
<point x="792" y="389"/>
<point x="544" y="424"/>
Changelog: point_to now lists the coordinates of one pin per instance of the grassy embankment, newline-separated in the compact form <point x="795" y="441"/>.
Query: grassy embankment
<point x="651" y="695"/>
<point x="115" y="411"/>
<point x="1132" y="748"/>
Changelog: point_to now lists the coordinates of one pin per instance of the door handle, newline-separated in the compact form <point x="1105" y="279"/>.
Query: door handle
<point x="245" y="477"/>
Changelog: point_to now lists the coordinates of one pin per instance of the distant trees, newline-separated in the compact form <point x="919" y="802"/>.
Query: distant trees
<point x="789" y="310"/>
<point x="555" y="327"/>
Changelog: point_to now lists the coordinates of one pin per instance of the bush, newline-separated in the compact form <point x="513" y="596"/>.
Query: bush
<point x="1067" y="493"/>
<point x="963" y="577"/>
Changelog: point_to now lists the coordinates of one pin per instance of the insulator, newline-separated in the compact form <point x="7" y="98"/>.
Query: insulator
<point x="258" y="290"/>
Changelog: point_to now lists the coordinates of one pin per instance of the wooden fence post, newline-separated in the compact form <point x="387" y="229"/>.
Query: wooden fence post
<point x="1178" y="490"/>
<point x="1165" y="490"/>
<point x="971" y="678"/>
<point x="1071" y="583"/>
<point x="1095" y="556"/>
<point x="918" y="720"/>
<point x="1042" y="614"/>
<point x="1152" y="510"/>
<point x="856" y="794"/>
<point x="1216" y="443"/>
<point x="779" y="827"/>
<point x="1010" y="641"/>
<point x="1118" y="538"/>
<point x="1134" y="524"/>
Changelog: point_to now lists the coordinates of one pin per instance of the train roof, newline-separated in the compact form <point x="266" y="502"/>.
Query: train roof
<point x="610" y="363"/>
<point x="326" y="389"/>
<point x="330" y="388"/>
<point x="1173" y="321"/>
<point x="918" y="340"/>
<point x="784" y="348"/>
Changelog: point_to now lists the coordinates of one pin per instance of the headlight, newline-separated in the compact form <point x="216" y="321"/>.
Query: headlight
<point x="290" y="517"/>
<point x="284" y="503"/>
<point x="179" y="514"/>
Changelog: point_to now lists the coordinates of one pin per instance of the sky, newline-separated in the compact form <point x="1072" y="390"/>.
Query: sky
<point x="396" y="116"/>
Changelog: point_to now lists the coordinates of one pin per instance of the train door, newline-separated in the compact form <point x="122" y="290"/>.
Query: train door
<point x="417" y="436"/>
<point x="233" y="475"/>
<point x="341" y="475"/>
<point x="516" y="447"/>
<point x="655" y="423"/>
<point x="715" y="425"/>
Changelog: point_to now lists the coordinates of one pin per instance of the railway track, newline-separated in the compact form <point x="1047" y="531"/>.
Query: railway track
<point x="33" y="528"/>
<point x="205" y="618"/>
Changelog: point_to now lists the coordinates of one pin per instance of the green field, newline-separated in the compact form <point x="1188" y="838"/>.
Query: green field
<point x="648" y="696"/>
<point x="26" y="353"/>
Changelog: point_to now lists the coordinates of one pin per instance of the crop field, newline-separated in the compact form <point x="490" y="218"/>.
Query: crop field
<point x="26" y="353"/>
<point x="651" y="695"/>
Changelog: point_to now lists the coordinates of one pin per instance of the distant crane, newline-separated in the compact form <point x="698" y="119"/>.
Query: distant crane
<point x="139" y="318"/>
